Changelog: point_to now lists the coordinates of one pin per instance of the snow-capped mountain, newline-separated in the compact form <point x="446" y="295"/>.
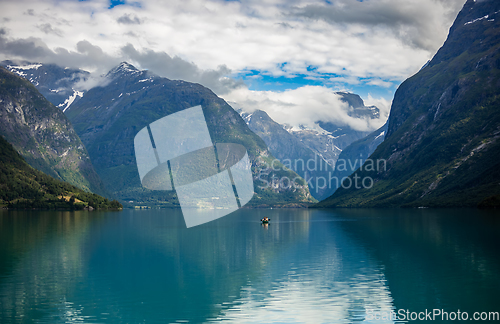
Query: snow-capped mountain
<point x="124" y="69"/>
<point x="327" y="139"/>
<point x="318" y="140"/>
<point x="320" y="146"/>
<point x="290" y="150"/>
<point x="58" y="85"/>
<point x="354" y="155"/>
<point x="109" y="116"/>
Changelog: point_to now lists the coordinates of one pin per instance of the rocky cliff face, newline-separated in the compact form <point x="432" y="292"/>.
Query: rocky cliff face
<point x="354" y="155"/>
<point x="313" y="153"/>
<point x="58" y="85"/>
<point x="292" y="152"/>
<point x="341" y="135"/>
<point x="107" y="119"/>
<point x="43" y="135"/>
<point x="442" y="144"/>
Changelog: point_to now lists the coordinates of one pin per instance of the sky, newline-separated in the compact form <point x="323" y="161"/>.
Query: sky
<point x="287" y="57"/>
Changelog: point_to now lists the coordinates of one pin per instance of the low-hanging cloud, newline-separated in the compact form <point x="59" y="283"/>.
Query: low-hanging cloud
<point x="306" y="106"/>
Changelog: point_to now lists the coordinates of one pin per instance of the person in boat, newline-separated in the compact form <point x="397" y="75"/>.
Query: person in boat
<point x="265" y="219"/>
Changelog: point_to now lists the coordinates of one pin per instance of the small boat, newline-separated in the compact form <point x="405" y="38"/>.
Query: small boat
<point x="265" y="220"/>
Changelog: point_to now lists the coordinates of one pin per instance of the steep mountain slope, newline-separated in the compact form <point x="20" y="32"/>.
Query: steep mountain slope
<point x="42" y="134"/>
<point x="291" y="152"/>
<point x="107" y="119"/>
<point x="312" y="153"/>
<point x="354" y="155"/>
<point x="320" y="141"/>
<point x="442" y="144"/>
<point x="55" y="83"/>
<point x="332" y="137"/>
<point x="21" y="186"/>
<point x="343" y="135"/>
<point x="329" y="138"/>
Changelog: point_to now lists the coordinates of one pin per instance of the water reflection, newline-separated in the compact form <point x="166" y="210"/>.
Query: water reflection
<point x="306" y="266"/>
<point x="41" y="261"/>
<point x="443" y="259"/>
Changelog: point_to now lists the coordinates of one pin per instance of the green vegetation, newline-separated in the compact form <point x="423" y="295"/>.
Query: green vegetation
<point x="43" y="135"/>
<point x="442" y="144"/>
<point x="108" y="118"/>
<point x="22" y="187"/>
<point x="492" y="202"/>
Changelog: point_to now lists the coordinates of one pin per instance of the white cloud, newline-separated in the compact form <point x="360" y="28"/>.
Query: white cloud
<point x="375" y="42"/>
<point x="306" y="106"/>
<point x="418" y="23"/>
<point x="257" y="34"/>
<point x="381" y="103"/>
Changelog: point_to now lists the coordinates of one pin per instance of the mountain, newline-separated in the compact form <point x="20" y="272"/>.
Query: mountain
<point x="291" y="152"/>
<point x="108" y="117"/>
<point x="312" y="153"/>
<point x="55" y="83"/>
<point x="353" y="156"/>
<point x="321" y="141"/>
<point x="330" y="138"/>
<point x="43" y="135"/>
<point x="21" y="186"/>
<point x="344" y="135"/>
<point x="442" y="143"/>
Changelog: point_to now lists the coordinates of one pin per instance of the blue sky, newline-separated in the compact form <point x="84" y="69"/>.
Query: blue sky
<point x="264" y="81"/>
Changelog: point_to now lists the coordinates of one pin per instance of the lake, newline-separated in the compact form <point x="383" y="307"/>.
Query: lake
<point x="306" y="266"/>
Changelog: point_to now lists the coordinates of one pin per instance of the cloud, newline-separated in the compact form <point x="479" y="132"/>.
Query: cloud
<point x="129" y="20"/>
<point x="345" y="44"/>
<point x="87" y="56"/>
<point x="305" y="106"/>
<point x="176" y="68"/>
<point x="91" y="57"/>
<point x="91" y="81"/>
<point x="381" y="103"/>
<point x="385" y="39"/>
<point x="48" y="29"/>
<point x="419" y="23"/>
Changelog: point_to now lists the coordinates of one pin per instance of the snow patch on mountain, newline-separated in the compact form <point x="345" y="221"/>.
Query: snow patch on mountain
<point x="482" y="18"/>
<point x="247" y="118"/>
<point x="301" y="128"/>
<point x="123" y="68"/>
<point x="20" y="73"/>
<point x="24" y="67"/>
<point x="477" y="19"/>
<point x="381" y="134"/>
<point x="65" y="105"/>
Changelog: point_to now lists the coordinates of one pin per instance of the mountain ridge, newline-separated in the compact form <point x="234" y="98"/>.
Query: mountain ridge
<point x="108" y="117"/>
<point x="60" y="86"/>
<point x="313" y="152"/>
<point x="23" y="187"/>
<point x="43" y="135"/>
<point x="442" y="143"/>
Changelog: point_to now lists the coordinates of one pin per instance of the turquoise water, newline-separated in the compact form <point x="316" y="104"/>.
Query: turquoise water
<point x="307" y="266"/>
